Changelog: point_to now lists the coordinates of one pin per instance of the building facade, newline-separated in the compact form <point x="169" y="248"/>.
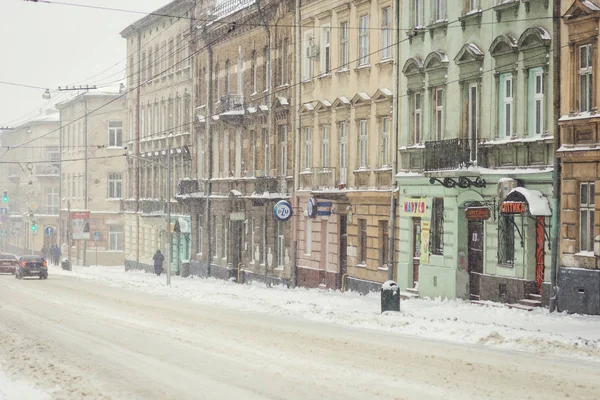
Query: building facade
<point x="30" y="178"/>
<point x="93" y="127"/>
<point x="159" y="107"/>
<point x="244" y="67"/>
<point x="579" y="277"/>
<point x="477" y="130"/>
<point x="346" y="156"/>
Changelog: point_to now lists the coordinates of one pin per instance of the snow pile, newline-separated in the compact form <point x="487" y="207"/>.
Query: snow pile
<point x="538" y="331"/>
<point x="11" y="389"/>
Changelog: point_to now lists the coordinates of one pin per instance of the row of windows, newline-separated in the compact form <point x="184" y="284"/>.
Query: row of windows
<point x="73" y="185"/>
<point x="167" y="57"/>
<point x="165" y="117"/>
<point x="314" y="51"/>
<point x="73" y="136"/>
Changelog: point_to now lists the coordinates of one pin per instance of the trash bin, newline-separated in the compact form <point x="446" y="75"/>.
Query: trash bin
<point x="185" y="269"/>
<point x="390" y="296"/>
<point x="65" y="264"/>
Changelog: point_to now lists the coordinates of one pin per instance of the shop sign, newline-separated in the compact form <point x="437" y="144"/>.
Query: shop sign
<point x="513" y="207"/>
<point x="414" y="207"/>
<point x="311" y="208"/>
<point x="80" y="225"/>
<point x="477" y="213"/>
<point x="282" y="210"/>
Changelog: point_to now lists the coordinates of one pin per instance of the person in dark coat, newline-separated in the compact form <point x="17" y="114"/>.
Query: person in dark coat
<point x="55" y="254"/>
<point x="158" y="262"/>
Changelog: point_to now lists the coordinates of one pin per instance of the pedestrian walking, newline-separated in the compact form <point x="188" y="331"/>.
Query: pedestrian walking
<point x="158" y="262"/>
<point x="56" y="254"/>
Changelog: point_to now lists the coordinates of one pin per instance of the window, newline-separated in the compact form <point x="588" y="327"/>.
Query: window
<point x="438" y="109"/>
<point x="267" y="77"/>
<point x="307" y="149"/>
<point x="115" y="133"/>
<point x="240" y="74"/>
<point x="506" y="240"/>
<point x="115" y="183"/>
<point x="386" y="33"/>
<point x="325" y="49"/>
<point x="473" y="5"/>
<point x="325" y="146"/>
<point x="143" y="66"/>
<point x="418" y="13"/>
<point x="439" y="10"/>
<point x="115" y="238"/>
<point x="267" y="153"/>
<point x="362" y="146"/>
<point x="385" y="141"/>
<point x="199" y="236"/>
<point x="285" y="61"/>
<point x="283" y="150"/>
<point x="362" y="241"/>
<point x="308" y="50"/>
<point x="227" y="77"/>
<point x="224" y="237"/>
<point x="253" y="137"/>
<point x="384" y="243"/>
<point x="585" y="78"/>
<point x="344" y="46"/>
<point x="150" y="63"/>
<point x="363" y="40"/>
<point x="586" y="216"/>
<point x="170" y="116"/>
<point x="52" y="201"/>
<point x="536" y="86"/>
<point x="472" y="120"/>
<point x="143" y="121"/>
<point x="416" y="118"/>
<point x="187" y="108"/>
<point x="177" y="115"/>
<point x="308" y="236"/>
<point x="218" y="85"/>
<point x="343" y="136"/>
<point x="253" y="71"/>
<point x="226" y="164"/>
<point x="436" y="243"/>
<point x="506" y="105"/>
<point x="213" y="236"/>
<point x="253" y="241"/>
<point x="171" y="54"/>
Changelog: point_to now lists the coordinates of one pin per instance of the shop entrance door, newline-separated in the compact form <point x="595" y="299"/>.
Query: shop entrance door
<point x="475" y="229"/>
<point x="416" y="250"/>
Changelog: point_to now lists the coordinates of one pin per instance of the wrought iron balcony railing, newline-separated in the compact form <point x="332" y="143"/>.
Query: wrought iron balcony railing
<point x="266" y="184"/>
<point x="232" y="104"/>
<point x="148" y="206"/>
<point x="49" y="169"/>
<point x="450" y="154"/>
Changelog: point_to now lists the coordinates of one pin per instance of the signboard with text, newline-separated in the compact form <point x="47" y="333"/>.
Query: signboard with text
<point x="513" y="207"/>
<point x="477" y="213"/>
<point x="80" y="225"/>
<point x="414" y="207"/>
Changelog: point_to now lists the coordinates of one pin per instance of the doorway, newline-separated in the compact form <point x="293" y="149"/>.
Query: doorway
<point x="416" y="250"/>
<point x="475" y="268"/>
<point x="343" y="250"/>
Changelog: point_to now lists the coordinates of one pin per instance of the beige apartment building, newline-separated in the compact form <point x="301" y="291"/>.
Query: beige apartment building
<point x="159" y="108"/>
<point x="30" y="177"/>
<point x="92" y="176"/>
<point x="346" y="156"/>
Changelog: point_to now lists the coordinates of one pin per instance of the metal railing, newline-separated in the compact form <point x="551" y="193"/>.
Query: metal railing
<point x="266" y="184"/>
<point x="324" y="178"/>
<point x="232" y="102"/>
<point x="449" y="154"/>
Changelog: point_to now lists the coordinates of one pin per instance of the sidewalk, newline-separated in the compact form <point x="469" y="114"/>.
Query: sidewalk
<point x="537" y="331"/>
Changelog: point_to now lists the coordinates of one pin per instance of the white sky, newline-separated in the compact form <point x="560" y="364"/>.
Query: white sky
<point x="52" y="45"/>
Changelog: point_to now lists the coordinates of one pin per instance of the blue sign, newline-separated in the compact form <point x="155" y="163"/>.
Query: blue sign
<point x="48" y="231"/>
<point x="311" y="208"/>
<point x="282" y="210"/>
<point x="96" y="236"/>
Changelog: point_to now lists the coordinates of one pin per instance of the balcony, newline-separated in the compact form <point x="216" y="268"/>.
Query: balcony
<point x="266" y="184"/>
<point x="148" y="206"/>
<point x="449" y="154"/>
<point x="232" y="105"/>
<point x="189" y="186"/>
<point x="47" y="170"/>
<point x="129" y="205"/>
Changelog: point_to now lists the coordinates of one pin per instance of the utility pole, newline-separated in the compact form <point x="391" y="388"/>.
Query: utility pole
<point x="69" y="233"/>
<point x="169" y="185"/>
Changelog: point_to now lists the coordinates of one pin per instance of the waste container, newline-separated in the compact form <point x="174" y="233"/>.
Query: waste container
<point x="185" y="269"/>
<point x="65" y="264"/>
<point x="390" y="296"/>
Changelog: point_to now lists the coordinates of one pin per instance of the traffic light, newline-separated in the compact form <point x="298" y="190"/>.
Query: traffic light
<point x="33" y="226"/>
<point x="5" y="197"/>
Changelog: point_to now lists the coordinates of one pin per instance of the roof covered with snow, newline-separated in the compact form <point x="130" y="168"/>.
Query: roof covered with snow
<point x="538" y="204"/>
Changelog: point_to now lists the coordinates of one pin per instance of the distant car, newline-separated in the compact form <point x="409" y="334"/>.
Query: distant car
<point x="32" y="266"/>
<point x="8" y="263"/>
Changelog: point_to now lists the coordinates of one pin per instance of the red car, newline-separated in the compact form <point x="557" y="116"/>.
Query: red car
<point x="8" y="263"/>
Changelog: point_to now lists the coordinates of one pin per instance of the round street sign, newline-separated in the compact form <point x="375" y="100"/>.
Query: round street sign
<point x="282" y="210"/>
<point x="48" y="231"/>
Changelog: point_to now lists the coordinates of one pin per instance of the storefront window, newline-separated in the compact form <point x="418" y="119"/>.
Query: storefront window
<point x="436" y="244"/>
<point x="506" y="240"/>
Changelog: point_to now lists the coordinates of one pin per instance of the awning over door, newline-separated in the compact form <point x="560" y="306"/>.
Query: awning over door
<point x="519" y="200"/>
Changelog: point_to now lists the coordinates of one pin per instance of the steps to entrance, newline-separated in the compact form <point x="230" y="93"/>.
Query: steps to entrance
<point x="409" y="293"/>
<point x="530" y="302"/>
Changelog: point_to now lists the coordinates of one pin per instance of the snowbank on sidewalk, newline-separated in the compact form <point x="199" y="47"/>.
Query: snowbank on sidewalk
<point x="12" y="389"/>
<point x="538" y="331"/>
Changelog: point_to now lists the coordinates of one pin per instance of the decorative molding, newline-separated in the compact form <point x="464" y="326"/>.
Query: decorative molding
<point x="463" y="182"/>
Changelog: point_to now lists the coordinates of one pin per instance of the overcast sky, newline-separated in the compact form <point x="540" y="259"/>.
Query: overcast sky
<point x="52" y="45"/>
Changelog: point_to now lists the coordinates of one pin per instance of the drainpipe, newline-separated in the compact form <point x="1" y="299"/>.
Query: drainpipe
<point x="137" y="153"/>
<point x="555" y="232"/>
<point x="296" y="104"/>
<point x="396" y="93"/>
<point x="209" y="139"/>
<point x="270" y="124"/>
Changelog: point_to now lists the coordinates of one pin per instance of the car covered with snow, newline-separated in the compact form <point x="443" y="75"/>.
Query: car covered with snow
<point x="8" y="263"/>
<point x="32" y="266"/>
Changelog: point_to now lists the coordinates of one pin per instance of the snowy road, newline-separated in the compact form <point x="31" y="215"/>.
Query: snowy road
<point x="76" y="338"/>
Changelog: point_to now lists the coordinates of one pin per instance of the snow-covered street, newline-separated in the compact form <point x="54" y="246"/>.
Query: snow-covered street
<point x="103" y="333"/>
